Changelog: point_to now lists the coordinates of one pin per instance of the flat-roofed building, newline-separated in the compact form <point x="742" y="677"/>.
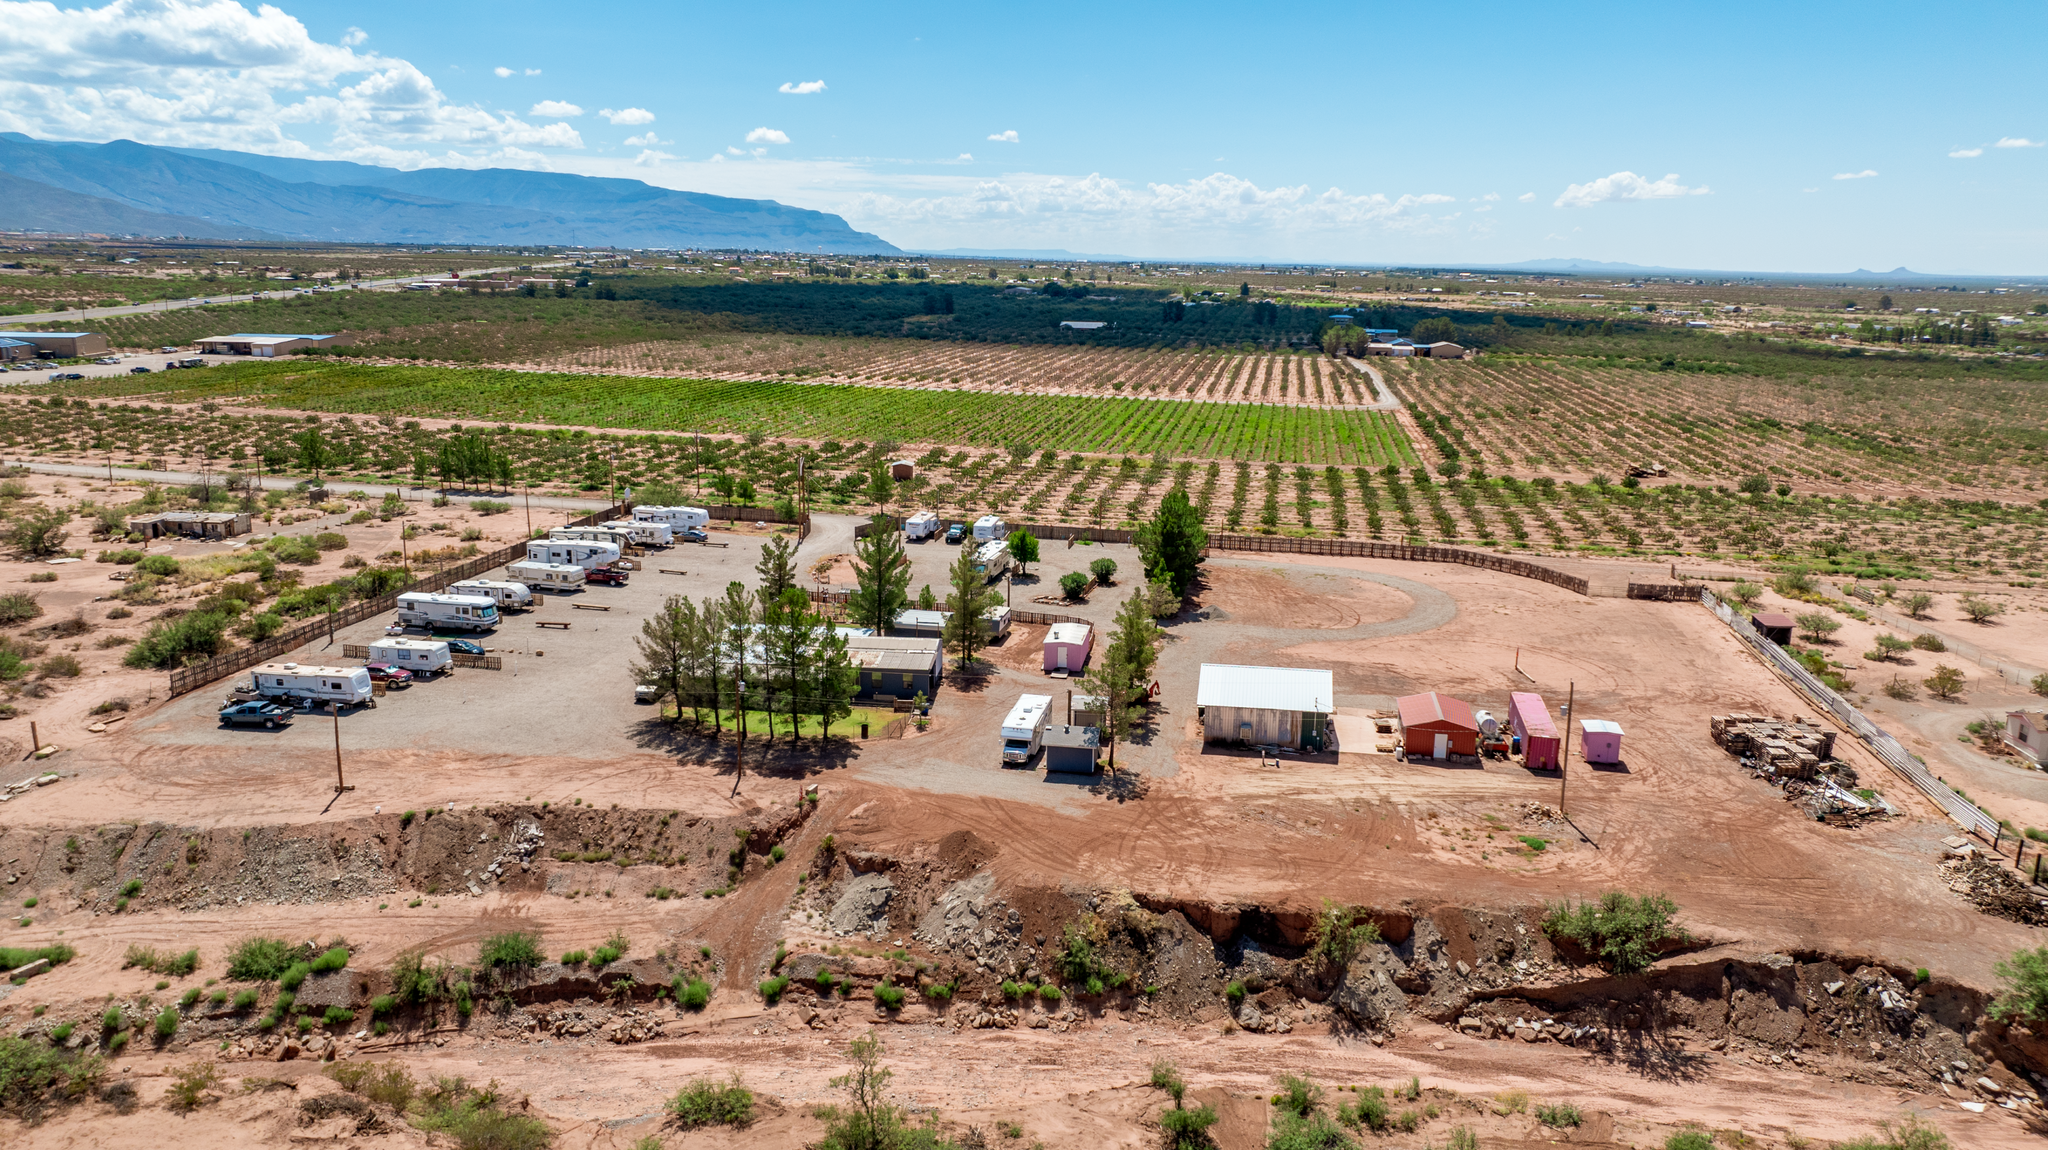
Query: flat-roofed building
<point x="262" y="345"/>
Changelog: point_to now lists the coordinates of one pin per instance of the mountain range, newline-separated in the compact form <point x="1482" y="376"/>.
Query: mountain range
<point x="130" y="188"/>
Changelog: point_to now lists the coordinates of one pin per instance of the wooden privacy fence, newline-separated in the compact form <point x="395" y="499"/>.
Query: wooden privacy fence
<point x="1663" y="592"/>
<point x="197" y="675"/>
<point x="737" y="513"/>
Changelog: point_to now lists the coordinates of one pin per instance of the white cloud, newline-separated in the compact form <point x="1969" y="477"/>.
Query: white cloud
<point x="767" y="136"/>
<point x="533" y="71"/>
<point x="354" y="36"/>
<point x="646" y="141"/>
<point x="807" y="88"/>
<point x="501" y="71"/>
<point x="651" y="158"/>
<point x="628" y="117"/>
<point x="732" y="151"/>
<point x="717" y="159"/>
<point x="1009" y="137"/>
<point x="1490" y="197"/>
<point x="2018" y="142"/>
<point x="1865" y="174"/>
<point x="556" y="108"/>
<point x="1527" y="197"/>
<point x="967" y="155"/>
<point x="1624" y="186"/>
<point x="212" y="73"/>
<point x="1965" y="153"/>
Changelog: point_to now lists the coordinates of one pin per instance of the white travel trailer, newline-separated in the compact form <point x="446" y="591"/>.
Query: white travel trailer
<point x="507" y="593"/>
<point x="922" y="525"/>
<point x="1024" y="729"/>
<point x="589" y="556"/>
<point x="345" y="685"/>
<point x="420" y="656"/>
<point x="992" y="559"/>
<point x="616" y="536"/>
<point x="990" y="527"/>
<point x="677" y="517"/>
<point x="458" y="612"/>
<point x="645" y="532"/>
<point x="549" y="577"/>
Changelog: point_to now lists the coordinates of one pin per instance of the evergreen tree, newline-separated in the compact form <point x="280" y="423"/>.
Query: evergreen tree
<point x="969" y="597"/>
<point x="1110" y="679"/>
<point x="881" y="488"/>
<point x="788" y="633"/>
<point x="740" y="641"/>
<point x="664" y="644"/>
<point x="777" y="568"/>
<point x="1135" y="638"/>
<point x="881" y="576"/>
<point x="314" y="454"/>
<point x="833" y="680"/>
<point x="1172" y="543"/>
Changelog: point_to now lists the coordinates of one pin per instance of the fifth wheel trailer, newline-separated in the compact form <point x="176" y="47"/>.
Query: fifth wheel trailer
<point x="588" y="556"/>
<point x="344" y="685"/>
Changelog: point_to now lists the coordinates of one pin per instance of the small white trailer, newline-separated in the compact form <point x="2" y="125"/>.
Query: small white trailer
<point x="420" y="656"/>
<point x="990" y="527"/>
<point x="617" y="537"/>
<point x="677" y="517"/>
<point x="457" y="612"/>
<point x="922" y="525"/>
<point x="345" y="685"/>
<point x="992" y="559"/>
<point x="1024" y="728"/>
<point x="589" y="556"/>
<point x="549" y="577"/>
<point x="506" y="592"/>
<point x="645" y="532"/>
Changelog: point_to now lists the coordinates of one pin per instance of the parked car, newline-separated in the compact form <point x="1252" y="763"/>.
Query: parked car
<point x="646" y="693"/>
<point x="606" y="576"/>
<point x="392" y="676"/>
<point x="256" y="713"/>
<point x="956" y="533"/>
<point x="463" y="646"/>
<point x="138" y="370"/>
<point x="693" y="535"/>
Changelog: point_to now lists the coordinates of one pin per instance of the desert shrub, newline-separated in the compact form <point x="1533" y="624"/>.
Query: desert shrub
<point x="43" y="577"/>
<point x="35" y="1076"/>
<point x="382" y="1082"/>
<point x="889" y="995"/>
<point x="337" y="1016"/>
<point x="1316" y="1131"/>
<point x="18" y="607"/>
<point x="1337" y="933"/>
<point x="691" y="992"/>
<point x="295" y="549"/>
<point x="1299" y="1096"/>
<point x="1462" y="1138"/>
<point x="1073" y="583"/>
<point x="125" y="555"/>
<point x="12" y="957"/>
<point x="511" y="949"/>
<point x="1560" y="1116"/>
<point x="39" y="532"/>
<point x="571" y="958"/>
<point x="60" y="667"/>
<point x="708" y="1103"/>
<point x="172" y="643"/>
<point x="294" y="976"/>
<point x="1104" y="571"/>
<point x="334" y="959"/>
<point x="166" y="1024"/>
<point x="489" y="506"/>
<point x="1016" y="990"/>
<point x="261" y="959"/>
<point x="330" y="541"/>
<point x="245" y="1000"/>
<point x="1188" y="1129"/>
<point x="1621" y="929"/>
<point x="1690" y="1140"/>
<point x="1929" y="642"/>
<point x="1050" y="993"/>
<point x="162" y="565"/>
<point x="476" y="1120"/>
<point x="1369" y="1111"/>
<point x="771" y="989"/>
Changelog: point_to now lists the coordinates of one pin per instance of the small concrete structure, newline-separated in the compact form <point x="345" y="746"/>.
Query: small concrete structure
<point x="1067" y="646"/>
<point x="1600" y="741"/>
<point x="63" y="344"/>
<point x="1435" y="726"/>
<point x="897" y="667"/>
<point x="2027" y="733"/>
<point x="1774" y="626"/>
<point x="263" y="345"/>
<point x="191" y="524"/>
<point x="1530" y="719"/>
<point x="1071" y="749"/>
<point x="1266" y="706"/>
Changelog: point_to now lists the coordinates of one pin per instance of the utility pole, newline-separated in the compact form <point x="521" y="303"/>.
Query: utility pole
<point x="529" y="507"/>
<point x="612" y="473"/>
<point x="1570" y="696"/>
<point x="339" y="786"/>
<point x="739" y="755"/>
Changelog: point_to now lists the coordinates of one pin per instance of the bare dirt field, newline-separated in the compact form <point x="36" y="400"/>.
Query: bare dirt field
<point x="561" y="808"/>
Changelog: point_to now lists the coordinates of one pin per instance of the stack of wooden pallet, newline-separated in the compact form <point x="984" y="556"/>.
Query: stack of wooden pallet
<point x="1794" y="747"/>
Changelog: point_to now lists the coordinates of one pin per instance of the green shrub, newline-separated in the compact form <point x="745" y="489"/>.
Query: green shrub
<point x="190" y="998"/>
<point x="573" y="957"/>
<point x="125" y="555"/>
<point x="1299" y="1096"/>
<point x="771" y="990"/>
<point x="18" y="607"/>
<point x="337" y="1016"/>
<point x="61" y="1031"/>
<point x="511" y="949"/>
<point x="1338" y="932"/>
<point x="383" y="1004"/>
<point x="1690" y="1140"/>
<point x="166" y="1024"/>
<point x="1234" y="990"/>
<point x="330" y="541"/>
<point x="245" y="999"/>
<point x="113" y="1020"/>
<point x="1316" y="1131"/>
<point x="1016" y="990"/>
<point x="1369" y="1111"/>
<point x="1188" y="1129"/>
<point x="1561" y="1115"/>
<point x="117" y="1043"/>
<point x="1622" y="930"/>
<point x="175" y="642"/>
<point x="1073" y="584"/>
<point x="294" y="976"/>
<point x="35" y="1075"/>
<point x="162" y="565"/>
<point x="1050" y="993"/>
<point x="334" y="959"/>
<point x="691" y="992"/>
<point x="890" y="996"/>
<point x="708" y="1103"/>
<point x="131" y="888"/>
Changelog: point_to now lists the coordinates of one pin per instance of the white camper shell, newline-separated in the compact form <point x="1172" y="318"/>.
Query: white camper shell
<point x="550" y="577"/>
<point x="616" y="536"/>
<point x="345" y="685"/>
<point x="456" y="612"/>
<point x="645" y="532"/>
<point x="676" y="517"/>
<point x="420" y="656"/>
<point x="507" y="593"/>
<point x="589" y="556"/>
<point x="990" y="527"/>
<point x="1024" y="729"/>
<point x="992" y="559"/>
<point x="922" y="525"/>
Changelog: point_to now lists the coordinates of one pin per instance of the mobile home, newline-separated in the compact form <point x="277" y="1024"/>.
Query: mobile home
<point x="458" y="612"/>
<point x="420" y="656"/>
<point x="676" y="517"/>
<point x="507" y="593"/>
<point x="547" y="577"/>
<point x="344" y="685"/>
<point x="589" y="556"/>
<point x="1024" y="727"/>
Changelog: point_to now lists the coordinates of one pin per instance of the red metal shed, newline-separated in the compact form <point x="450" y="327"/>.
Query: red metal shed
<point x="1435" y="726"/>
<point x="1530" y="718"/>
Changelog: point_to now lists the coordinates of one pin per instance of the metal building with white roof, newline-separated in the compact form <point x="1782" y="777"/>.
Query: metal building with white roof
<point x="1266" y="706"/>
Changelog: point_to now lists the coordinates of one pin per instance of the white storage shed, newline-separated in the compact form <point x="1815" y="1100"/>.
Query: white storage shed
<point x="1266" y="706"/>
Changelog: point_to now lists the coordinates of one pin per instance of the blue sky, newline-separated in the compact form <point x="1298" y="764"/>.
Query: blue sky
<point x="1776" y="138"/>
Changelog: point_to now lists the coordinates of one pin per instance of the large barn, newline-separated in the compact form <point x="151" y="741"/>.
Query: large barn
<point x="1266" y="706"/>
<point x="1435" y="726"/>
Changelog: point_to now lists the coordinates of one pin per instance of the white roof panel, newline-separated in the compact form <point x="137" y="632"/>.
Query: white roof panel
<point x="1600" y="727"/>
<point x="1266" y="688"/>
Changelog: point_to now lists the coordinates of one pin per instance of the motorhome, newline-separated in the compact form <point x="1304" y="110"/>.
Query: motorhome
<point x="645" y="532"/>
<point x="506" y="592"/>
<point x="551" y="578"/>
<point x="420" y="656"/>
<point x="616" y="536"/>
<point x="922" y="525"/>
<point x="1024" y="729"/>
<point x="456" y="612"/>
<point x="345" y="685"/>
<point x="673" y="516"/>
<point x="990" y="527"/>
<point x="992" y="559"/>
<point x="583" y="554"/>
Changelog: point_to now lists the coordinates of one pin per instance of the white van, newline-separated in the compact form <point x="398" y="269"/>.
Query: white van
<point x="549" y="577"/>
<point x="460" y="612"/>
<point x="508" y="594"/>
<point x="645" y="532"/>
<point x="677" y="517"/>
<point x="990" y="527"/>
<point x="922" y="525"/>
<point x="345" y="685"/>
<point x="992" y="559"/>
<point x="420" y="656"/>
<point x="1024" y="729"/>
<point x="617" y="537"/>
<point x="589" y="556"/>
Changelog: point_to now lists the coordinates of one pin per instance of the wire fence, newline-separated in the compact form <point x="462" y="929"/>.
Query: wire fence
<point x="197" y="675"/>
<point x="1881" y="744"/>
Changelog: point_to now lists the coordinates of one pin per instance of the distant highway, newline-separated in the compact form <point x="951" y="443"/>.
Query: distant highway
<point x="208" y="301"/>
